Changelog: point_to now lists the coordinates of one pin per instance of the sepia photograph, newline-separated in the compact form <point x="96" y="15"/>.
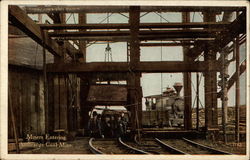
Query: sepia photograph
<point x="125" y="79"/>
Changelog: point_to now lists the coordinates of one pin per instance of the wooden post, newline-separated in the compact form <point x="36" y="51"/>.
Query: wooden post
<point x="187" y="84"/>
<point x="51" y="108"/>
<point x="45" y="85"/>
<point x="82" y="45"/>
<point x="134" y="78"/>
<point x="224" y="98"/>
<point x="224" y="85"/>
<point x="13" y="120"/>
<point x="197" y="100"/>
<point x="237" y="90"/>
<point x="211" y="115"/>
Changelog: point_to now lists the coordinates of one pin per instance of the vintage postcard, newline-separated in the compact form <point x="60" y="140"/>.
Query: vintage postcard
<point x="124" y="80"/>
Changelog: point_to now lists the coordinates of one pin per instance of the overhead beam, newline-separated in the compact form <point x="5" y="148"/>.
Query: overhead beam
<point x="59" y="19"/>
<point x="237" y="27"/>
<point x="20" y="19"/>
<point x="166" y="44"/>
<point x="146" y="67"/>
<point x="118" y="9"/>
<point x="141" y="25"/>
<point x="179" y="37"/>
<point x="167" y="33"/>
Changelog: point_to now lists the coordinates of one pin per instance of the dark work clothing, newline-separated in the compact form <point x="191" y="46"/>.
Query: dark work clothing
<point x="119" y="129"/>
<point x="124" y="124"/>
<point x="107" y="131"/>
<point x="94" y="127"/>
<point x="113" y="128"/>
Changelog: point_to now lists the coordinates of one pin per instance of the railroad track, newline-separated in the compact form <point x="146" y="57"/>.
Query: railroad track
<point x="112" y="146"/>
<point x="151" y="145"/>
<point x="186" y="146"/>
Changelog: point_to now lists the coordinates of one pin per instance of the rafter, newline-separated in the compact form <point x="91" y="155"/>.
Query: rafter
<point x="220" y="25"/>
<point x="70" y="49"/>
<point x="21" y="20"/>
<point x="237" y="27"/>
<point x="119" y="9"/>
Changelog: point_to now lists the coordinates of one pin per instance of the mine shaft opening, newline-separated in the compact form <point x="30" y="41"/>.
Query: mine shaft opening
<point x="112" y="121"/>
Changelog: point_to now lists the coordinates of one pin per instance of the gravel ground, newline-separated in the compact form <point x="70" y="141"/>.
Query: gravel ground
<point x="234" y="148"/>
<point x="185" y="147"/>
<point x="149" y="145"/>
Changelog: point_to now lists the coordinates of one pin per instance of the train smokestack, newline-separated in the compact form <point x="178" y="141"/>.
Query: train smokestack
<point x="178" y="87"/>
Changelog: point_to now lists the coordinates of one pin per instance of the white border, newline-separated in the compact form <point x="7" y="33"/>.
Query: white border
<point x="4" y="78"/>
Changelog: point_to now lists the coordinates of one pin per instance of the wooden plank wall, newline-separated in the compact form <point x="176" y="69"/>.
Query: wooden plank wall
<point x="28" y="104"/>
<point x="63" y="113"/>
<point x="60" y="102"/>
<point x="24" y="87"/>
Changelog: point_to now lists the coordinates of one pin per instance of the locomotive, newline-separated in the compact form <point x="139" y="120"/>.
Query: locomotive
<point x="164" y="110"/>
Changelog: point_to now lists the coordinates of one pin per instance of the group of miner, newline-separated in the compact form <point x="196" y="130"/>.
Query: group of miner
<point x="107" y="126"/>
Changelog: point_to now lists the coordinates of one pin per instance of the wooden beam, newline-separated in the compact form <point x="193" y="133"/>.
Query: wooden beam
<point x="141" y="25"/>
<point x="82" y="19"/>
<point x="147" y="67"/>
<point x="166" y="33"/>
<point x="105" y="76"/>
<point x="232" y="79"/>
<point x="210" y="81"/>
<point x="118" y="9"/>
<point x="179" y="37"/>
<point x="134" y="94"/>
<point x="59" y="19"/>
<point x="237" y="27"/>
<point x="237" y="89"/>
<point x="187" y="82"/>
<point x="20" y="19"/>
<point x="166" y="44"/>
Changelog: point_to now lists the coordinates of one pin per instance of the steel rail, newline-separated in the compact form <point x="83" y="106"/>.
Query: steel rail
<point x="138" y="151"/>
<point x="215" y="151"/>
<point x="92" y="148"/>
<point x="170" y="148"/>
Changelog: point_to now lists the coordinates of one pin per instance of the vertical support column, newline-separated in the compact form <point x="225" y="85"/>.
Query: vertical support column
<point x="135" y="93"/>
<point x="197" y="100"/>
<point x="45" y="85"/>
<point x="60" y="114"/>
<point x="82" y="19"/>
<point x="223" y="83"/>
<point x="237" y="90"/>
<point x="224" y="97"/>
<point x="187" y="84"/>
<point x="51" y="108"/>
<point x="84" y="108"/>
<point x="62" y="21"/>
<point x="211" y="115"/>
<point x="13" y="119"/>
<point x="84" y="84"/>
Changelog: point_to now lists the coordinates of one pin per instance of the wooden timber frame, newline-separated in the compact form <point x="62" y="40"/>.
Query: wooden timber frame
<point x="210" y="38"/>
<point x="211" y="113"/>
<point x="187" y="83"/>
